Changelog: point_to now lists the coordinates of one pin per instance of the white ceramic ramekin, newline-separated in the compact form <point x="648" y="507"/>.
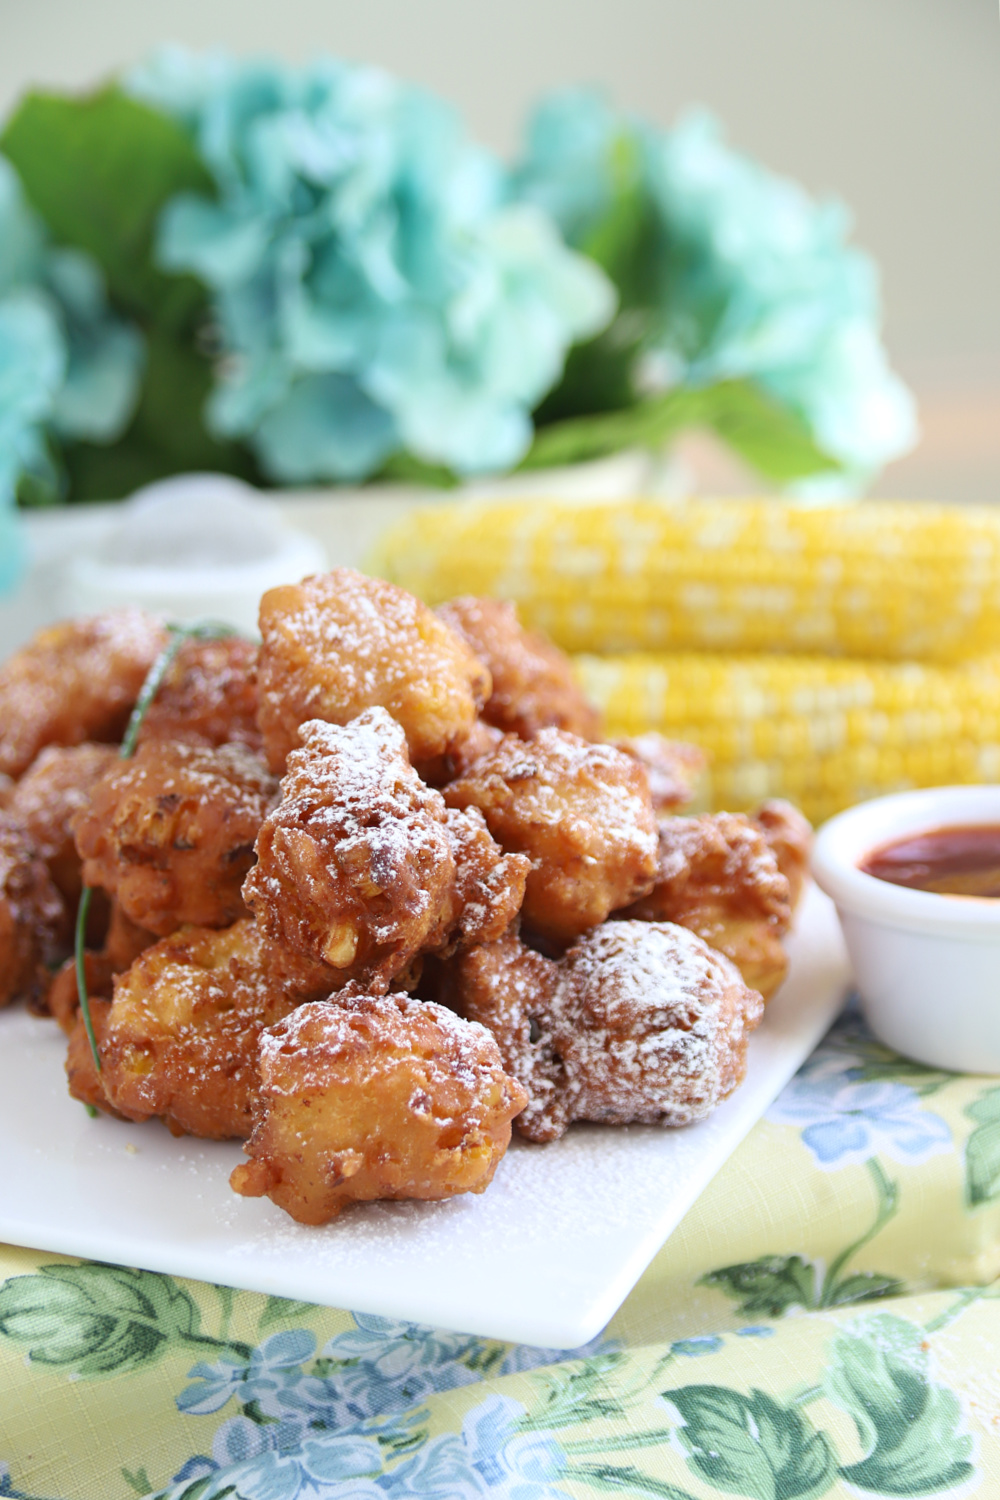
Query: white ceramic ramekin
<point x="198" y="546"/>
<point x="927" y="966"/>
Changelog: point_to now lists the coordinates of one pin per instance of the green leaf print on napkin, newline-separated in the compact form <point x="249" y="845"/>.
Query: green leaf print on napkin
<point x="95" y="1318"/>
<point x="982" y="1150"/>
<point x="751" y="1445"/>
<point x="773" y="1285"/>
<point x="767" y="1287"/>
<point x="907" y="1423"/>
<point x="101" y="1320"/>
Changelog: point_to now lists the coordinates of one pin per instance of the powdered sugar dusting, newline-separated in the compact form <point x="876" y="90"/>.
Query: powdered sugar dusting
<point x="661" y="1022"/>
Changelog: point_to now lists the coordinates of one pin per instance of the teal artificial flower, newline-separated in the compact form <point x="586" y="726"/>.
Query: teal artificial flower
<point x="373" y="288"/>
<point x="726" y="271"/>
<point x="68" y="368"/>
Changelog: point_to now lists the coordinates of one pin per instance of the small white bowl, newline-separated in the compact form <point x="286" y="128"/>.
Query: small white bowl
<point x="198" y="546"/>
<point x="927" y="966"/>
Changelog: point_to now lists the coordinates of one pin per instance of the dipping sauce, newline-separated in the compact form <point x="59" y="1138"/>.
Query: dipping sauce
<point x="949" y="861"/>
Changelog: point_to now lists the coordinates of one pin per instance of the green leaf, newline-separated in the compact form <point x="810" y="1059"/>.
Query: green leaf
<point x="627" y="240"/>
<point x="864" y="1286"/>
<point x="750" y="1445"/>
<point x="982" y="1150"/>
<point x="923" y="1080"/>
<point x="907" y="1424"/>
<point x="282" y="1310"/>
<point x="95" y="1319"/>
<point x="404" y="468"/>
<point x="576" y="1395"/>
<point x="767" y="1287"/>
<point x="166" y="435"/>
<point x="99" y="170"/>
<point x="768" y="435"/>
<point x="138" y="1481"/>
<point x="771" y="437"/>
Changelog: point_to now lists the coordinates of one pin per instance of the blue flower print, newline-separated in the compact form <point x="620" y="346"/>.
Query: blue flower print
<point x="279" y="1461"/>
<point x="272" y="1368"/>
<point x="521" y="1465"/>
<point x="492" y="1457"/>
<point x="703" y="1344"/>
<point x="522" y="1357"/>
<point x="844" y="1120"/>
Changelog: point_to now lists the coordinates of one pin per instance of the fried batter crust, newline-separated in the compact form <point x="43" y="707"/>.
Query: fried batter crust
<point x="673" y="767"/>
<point x="73" y="682"/>
<point x="533" y="683"/>
<point x="718" y="876"/>
<point x="33" y="921"/>
<point x="170" y="832"/>
<point x="339" y="643"/>
<point x="482" y="740"/>
<point x="85" y="1082"/>
<point x="123" y="943"/>
<point x="582" y="814"/>
<point x="209" y="696"/>
<point x="362" y="865"/>
<point x="375" y="1097"/>
<point x="638" y="1022"/>
<point x="182" y="1034"/>
<point x="55" y="788"/>
<point x="789" y="836"/>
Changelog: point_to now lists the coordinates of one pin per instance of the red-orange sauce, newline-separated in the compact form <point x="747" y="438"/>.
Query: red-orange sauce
<point x="950" y="861"/>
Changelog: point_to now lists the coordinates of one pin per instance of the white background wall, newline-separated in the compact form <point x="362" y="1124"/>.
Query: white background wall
<point x="892" y="104"/>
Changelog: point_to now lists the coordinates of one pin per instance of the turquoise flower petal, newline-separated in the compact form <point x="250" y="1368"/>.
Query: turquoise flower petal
<point x="326" y="428"/>
<point x="68" y="367"/>
<point x="727" y="271"/>
<point x="372" y="285"/>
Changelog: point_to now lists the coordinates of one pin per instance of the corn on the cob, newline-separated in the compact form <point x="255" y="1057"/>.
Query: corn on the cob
<point x="823" y="733"/>
<point x="884" y="579"/>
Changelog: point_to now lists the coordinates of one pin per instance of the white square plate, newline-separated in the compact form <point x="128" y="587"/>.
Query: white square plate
<point x="544" y="1257"/>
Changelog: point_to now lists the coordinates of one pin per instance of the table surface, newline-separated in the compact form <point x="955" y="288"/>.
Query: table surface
<point x="827" y="1299"/>
<point x="824" y="1321"/>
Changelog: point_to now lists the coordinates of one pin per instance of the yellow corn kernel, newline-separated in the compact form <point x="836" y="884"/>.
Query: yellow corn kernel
<point x="891" y="580"/>
<point x="824" y="733"/>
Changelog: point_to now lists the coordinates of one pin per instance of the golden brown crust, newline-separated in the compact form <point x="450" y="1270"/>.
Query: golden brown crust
<point x="354" y="864"/>
<point x="581" y="813"/>
<point x="489" y="885"/>
<point x="123" y="942"/>
<point x="55" y="788"/>
<point x="533" y="682"/>
<point x="718" y="876"/>
<point x="375" y="1097"/>
<point x="182" y="1033"/>
<point x="638" y="1022"/>
<point x="362" y="865"/>
<point x="674" y="769"/>
<point x="209" y="696"/>
<point x="339" y="643"/>
<point x="481" y="741"/>
<point x="85" y="1082"/>
<point x="74" y="681"/>
<point x="170" y="832"/>
<point x="34" y="928"/>
<point x="789" y="836"/>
